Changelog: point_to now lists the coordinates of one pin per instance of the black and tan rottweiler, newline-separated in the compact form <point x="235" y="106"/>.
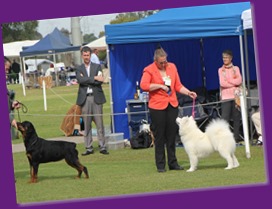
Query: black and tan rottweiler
<point x="39" y="150"/>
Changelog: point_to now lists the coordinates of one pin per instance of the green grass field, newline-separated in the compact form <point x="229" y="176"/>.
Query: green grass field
<point x="59" y="101"/>
<point x="124" y="171"/>
<point x="128" y="171"/>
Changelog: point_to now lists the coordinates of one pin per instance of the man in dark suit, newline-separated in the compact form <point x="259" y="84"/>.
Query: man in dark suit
<point x="91" y="99"/>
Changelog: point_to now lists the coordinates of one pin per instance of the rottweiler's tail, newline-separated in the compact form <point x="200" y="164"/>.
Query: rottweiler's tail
<point x="72" y="160"/>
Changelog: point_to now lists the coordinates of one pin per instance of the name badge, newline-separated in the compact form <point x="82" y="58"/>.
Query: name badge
<point x="167" y="81"/>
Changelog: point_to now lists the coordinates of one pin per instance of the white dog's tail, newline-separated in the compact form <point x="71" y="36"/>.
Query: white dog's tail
<point x="219" y="130"/>
<point x="217" y="124"/>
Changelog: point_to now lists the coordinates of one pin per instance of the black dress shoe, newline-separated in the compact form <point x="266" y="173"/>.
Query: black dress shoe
<point x="88" y="152"/>
<point x="104" y="152"/>
<point x="161" y="170"/>
<point x="177" y="168"/>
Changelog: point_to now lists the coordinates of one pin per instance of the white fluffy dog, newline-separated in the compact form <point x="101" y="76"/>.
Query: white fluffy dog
<point x="198" y="144"/>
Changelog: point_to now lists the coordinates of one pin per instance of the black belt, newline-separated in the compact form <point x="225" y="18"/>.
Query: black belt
<point x="89" y="94"/>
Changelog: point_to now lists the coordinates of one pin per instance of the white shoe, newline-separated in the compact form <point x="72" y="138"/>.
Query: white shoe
<point x="260" y="139"/>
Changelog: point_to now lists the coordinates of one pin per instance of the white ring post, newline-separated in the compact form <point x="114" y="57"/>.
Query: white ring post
<point x="245" y="123"/>
<point x="23" y="85"/>
<point x="44" y="95"/>
<point x="23" y="73"/>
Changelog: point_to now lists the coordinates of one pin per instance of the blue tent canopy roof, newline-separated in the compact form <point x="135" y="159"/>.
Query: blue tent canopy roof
<point x="180" y="23"/>
<point x="54" y="42"/>
<point x="178" y="31"/>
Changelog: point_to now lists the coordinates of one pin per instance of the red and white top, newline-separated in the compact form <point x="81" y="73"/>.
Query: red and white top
<point x="159" y="99"/>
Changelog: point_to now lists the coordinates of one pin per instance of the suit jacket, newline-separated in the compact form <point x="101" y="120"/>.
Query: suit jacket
<point x="86" y="81"/>
<point x="159" y="99"/>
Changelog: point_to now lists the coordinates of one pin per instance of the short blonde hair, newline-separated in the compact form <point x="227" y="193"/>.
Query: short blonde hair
<point x="159" y="53"/>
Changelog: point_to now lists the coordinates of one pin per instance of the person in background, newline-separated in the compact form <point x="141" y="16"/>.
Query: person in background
<point x="91" y="99"/>
<point x="50" y="70"/>
<point x="16" y="69"/>
<point x="8" y="70"/>
<point x="230" y="79"/>
<point x="162" y="81"/>
<point x="12" y="103"/>
<point x="94" y="56"/>
<point x="256" y="119"/>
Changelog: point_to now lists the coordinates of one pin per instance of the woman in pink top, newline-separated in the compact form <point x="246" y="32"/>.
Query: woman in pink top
<point x="162" y="81"/>
<point x="229" y="79"/>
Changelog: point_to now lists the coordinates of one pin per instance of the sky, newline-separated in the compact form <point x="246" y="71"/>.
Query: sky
<point x="89" y="24"/>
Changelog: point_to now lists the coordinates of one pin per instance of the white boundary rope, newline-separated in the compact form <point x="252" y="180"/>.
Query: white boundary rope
<point x="212" y="104"/>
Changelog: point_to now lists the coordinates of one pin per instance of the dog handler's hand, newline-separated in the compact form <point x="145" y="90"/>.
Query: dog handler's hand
<point x="14" y="123"/>
<point x="16" y="105"/>
<point x="192" y="94"/>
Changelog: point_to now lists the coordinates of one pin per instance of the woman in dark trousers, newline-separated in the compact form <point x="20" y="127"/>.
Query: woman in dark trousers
<point x="162" y="81"/>
<point x="230" y="79"/>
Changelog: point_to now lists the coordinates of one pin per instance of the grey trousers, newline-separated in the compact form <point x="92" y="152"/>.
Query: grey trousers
<point x="93" y="112"/>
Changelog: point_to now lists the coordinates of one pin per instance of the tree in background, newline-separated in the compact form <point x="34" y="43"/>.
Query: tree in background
<point x="122" y="18"/>
<point x="65" y="32"/>
<point x="87" y="38"/>
<point x="102" y="33"/>
<point x="129" y="17"/>
<point x="132" y="16"/>
<point x="19" y="31"/>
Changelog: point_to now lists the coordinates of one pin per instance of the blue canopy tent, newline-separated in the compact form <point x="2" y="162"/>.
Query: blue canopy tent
<point x="187" y="35"/>
<point x="53" y="43"/>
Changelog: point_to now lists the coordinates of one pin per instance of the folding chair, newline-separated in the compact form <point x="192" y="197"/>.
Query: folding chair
<point x="200" y="116"/>
<point x="186" y="108"/>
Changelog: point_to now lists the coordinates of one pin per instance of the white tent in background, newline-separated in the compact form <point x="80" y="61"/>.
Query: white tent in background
<point x="247" y="19"/>
<point x="13" y="49"/>
<point x="34" y="64"/>
<point x="99" y="44"/>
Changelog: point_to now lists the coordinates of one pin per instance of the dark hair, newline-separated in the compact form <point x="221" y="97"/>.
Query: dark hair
<point x="228" y="52"/>
<point x="86" y="49"/>
<point x="7" y="59"/>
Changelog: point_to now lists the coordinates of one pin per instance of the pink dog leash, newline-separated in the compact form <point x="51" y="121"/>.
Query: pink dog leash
<point x="193" y="108"/>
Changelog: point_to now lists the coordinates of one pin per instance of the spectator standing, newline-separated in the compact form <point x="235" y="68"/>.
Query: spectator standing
<point x="256" y="119"/>
<point x="8" y="70"/>
<point x="12" y="103"/>
<point x="50" y="70"/>
<point x="230" y="79"/>
<point x="94" y="56"/>
<point x="91" y="99"/>
<point x="16" y="69"/>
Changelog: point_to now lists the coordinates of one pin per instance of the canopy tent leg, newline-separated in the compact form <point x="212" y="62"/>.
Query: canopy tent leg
<point x="23" y="74"/>
<point x="243" y="101"/>
<point x="110" y="87"/>
<point x="248" y="82"/>
<point x="56" y="70"/>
